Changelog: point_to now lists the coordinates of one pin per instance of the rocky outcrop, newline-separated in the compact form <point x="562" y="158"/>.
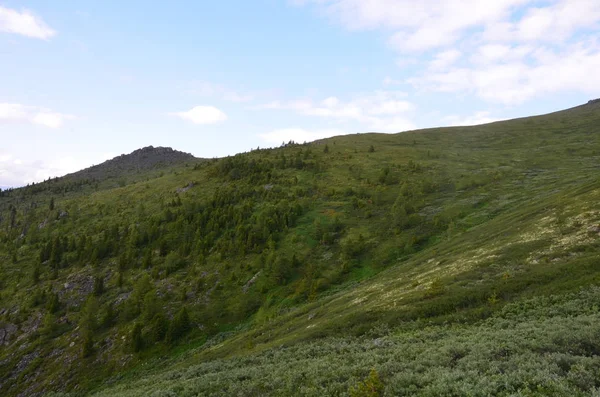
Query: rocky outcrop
<point x="186" y="188"/>
<point x="7" y="332"/>
<point x="75" y="289"/>
<point x="251" y="282"/>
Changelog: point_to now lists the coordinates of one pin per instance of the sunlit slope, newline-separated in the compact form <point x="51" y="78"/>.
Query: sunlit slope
<point x="420" y="321"/>
<point x="343" y="237"/>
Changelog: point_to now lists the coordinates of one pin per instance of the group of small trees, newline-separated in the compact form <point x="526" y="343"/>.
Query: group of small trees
<point x="160" y="329"/>
<point x="142" y="309"/>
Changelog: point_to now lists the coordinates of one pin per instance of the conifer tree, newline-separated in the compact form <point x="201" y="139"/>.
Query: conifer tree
<point x="136" y="342"/>
<point x="179" y="326"/>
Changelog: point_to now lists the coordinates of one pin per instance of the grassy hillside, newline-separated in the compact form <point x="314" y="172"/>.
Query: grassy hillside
<point x="450" y="261"/>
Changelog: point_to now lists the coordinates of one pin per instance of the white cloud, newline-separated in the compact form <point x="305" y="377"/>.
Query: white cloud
<point x="298" y="135"/>
<point x="15" y="112"/>
<point x="445" y="58"/>
<point x="482" y="117"/>
<point x="377" y="110"/>
<point x="556" y="21"/>
<point x="12" y="111"/>
<point x="331" y="102"/>
<point x="51" y="119"/>
<point x="418" y="25"/>
<point x="202" y="115"/>
<point x="516" y="81"/>
<point x="492" y="53"/>
<point x="428" y="24"/>
<point x="24" y="23"/>
<point x="433" y="23"/>
<point x="510" y="51"/>
<point x="496" y="54"/>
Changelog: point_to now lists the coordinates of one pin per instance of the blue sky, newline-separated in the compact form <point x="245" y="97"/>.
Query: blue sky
<point x="81" y="82"/>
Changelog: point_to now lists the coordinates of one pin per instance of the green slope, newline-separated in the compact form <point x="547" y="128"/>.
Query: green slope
<point x="311" y="258"/>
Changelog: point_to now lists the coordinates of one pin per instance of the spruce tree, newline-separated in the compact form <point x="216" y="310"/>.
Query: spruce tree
<point x="179" y="326"/>
<point x="98" y="285"/>
<point x="136" y="342"/>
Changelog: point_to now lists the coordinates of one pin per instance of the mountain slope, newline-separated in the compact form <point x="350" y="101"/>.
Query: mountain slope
<point x="362" y="237"/>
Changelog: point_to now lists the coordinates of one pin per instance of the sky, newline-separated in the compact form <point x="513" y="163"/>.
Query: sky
<point x="82" y="82"/>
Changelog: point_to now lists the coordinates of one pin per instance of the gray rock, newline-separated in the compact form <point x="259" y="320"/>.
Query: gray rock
<point x="382" y="342"/>
<point x="186" y="188"/>
<point x="25" y="361"/>
<point x="121" y="298"/>
<point x="7" y="331"/>
<point x="251" y="282"/>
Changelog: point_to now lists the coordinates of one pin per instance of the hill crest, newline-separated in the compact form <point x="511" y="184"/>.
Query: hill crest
<point x="146" y="158"/>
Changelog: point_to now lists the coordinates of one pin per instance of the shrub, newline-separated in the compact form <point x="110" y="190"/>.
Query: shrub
<point x="354" y="246"/>
<point x="371" y="386"/>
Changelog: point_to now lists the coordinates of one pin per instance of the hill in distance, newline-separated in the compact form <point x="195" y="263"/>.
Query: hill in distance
<point x="141" y="164"/>
<point x="140" y="160"/>
<point x="451" y="261"/>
